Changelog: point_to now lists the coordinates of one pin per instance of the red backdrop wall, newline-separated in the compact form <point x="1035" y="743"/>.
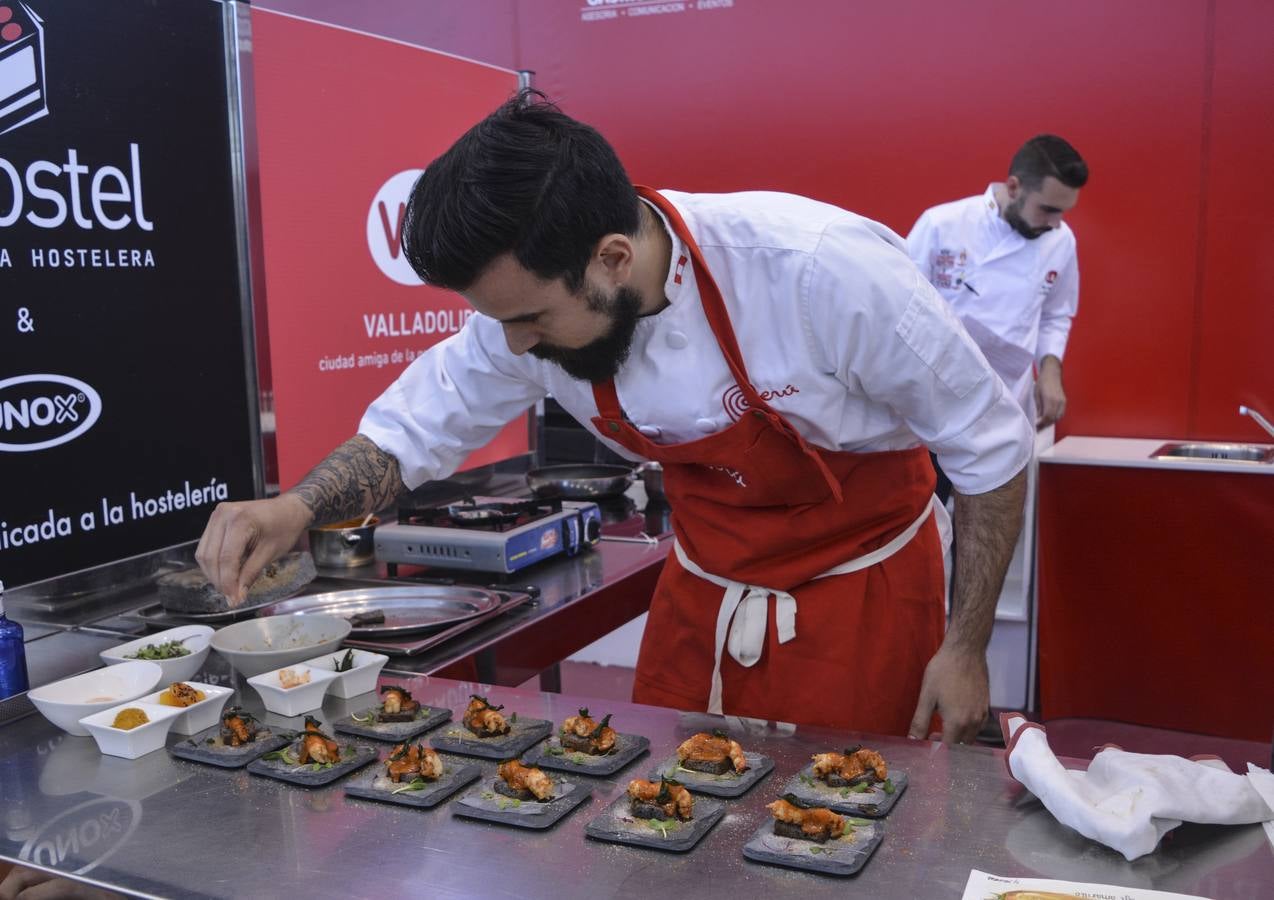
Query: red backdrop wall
<point x="344" y="123"/>
<point x="888" y="109"/>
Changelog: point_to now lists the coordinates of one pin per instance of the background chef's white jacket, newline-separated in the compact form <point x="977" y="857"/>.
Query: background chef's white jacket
<point x="1027" y="292"/>
<point x="856" y="349"/>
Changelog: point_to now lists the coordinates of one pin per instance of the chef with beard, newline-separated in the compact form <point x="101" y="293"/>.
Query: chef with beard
<point x="786" y="363"/>
<point x="1006" y="263"/>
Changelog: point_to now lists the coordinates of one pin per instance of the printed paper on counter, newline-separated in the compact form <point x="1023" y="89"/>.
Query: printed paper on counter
<point x="982" y="886"/>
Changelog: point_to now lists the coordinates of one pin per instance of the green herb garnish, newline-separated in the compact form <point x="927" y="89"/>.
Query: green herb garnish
<point x="888" y="786"/>
<point x="166" y="650"/>
<point x="663" y="826"/>
<point x="345" y="663"/>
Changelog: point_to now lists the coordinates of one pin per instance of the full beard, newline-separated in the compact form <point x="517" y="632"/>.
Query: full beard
<point x="599" y="360"/>
<point x="1013" y="215"/>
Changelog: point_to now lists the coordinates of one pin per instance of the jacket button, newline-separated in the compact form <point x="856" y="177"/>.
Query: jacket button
<point x="707" y="426"/>
<point x="677" y="340"/>
<point x="613" y="427"/>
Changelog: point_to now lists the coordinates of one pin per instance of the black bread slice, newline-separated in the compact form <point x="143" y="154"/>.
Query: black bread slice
<point x="580" y="744"/>
<point x="711" y="767"/>
<point x="502" y="787"/>
<point x="789" y="830"/>
<point x="644" y="809"/>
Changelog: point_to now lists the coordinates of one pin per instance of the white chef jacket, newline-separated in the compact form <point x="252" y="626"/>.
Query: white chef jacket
<point x="1015" y="296"/>
<point x="838" y="330"/>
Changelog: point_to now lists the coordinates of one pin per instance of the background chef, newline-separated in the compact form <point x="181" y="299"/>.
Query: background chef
<point x="782" y="358"/>
<point x="1005" y="262"/>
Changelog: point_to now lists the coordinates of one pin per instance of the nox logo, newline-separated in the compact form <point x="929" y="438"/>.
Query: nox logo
<point x="22" y="94"/>
<point x="42" y="411"/>
<point x="385" y="227"/>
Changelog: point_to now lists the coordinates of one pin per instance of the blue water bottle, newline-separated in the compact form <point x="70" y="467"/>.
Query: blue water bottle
<point x="13" y="657"/>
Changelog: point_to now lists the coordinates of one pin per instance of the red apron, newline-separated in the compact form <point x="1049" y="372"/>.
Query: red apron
<point x="755" y="504"/>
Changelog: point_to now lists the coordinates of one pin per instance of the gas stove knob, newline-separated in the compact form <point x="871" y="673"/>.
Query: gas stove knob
<point x="593" y="530"/>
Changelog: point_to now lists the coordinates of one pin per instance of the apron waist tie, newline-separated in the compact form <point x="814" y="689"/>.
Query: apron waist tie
<point x="744" y="613"/>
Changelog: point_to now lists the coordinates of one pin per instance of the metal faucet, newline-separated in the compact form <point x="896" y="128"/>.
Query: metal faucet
<point x="1258" y="418"/>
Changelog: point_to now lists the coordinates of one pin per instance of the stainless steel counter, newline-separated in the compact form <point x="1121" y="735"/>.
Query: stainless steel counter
<point x="579" y="600"/>
<point x="164" y="827"/>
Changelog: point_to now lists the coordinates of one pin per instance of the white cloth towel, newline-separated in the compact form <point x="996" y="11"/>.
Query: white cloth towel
<point x="1128" y="801"/>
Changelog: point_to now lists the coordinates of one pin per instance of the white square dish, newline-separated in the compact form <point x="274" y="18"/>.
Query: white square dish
<point x="356" y="681"/>
<point x="199" y="716"/>
<point x="295" y="700"/>
<point x="134" y="742"/>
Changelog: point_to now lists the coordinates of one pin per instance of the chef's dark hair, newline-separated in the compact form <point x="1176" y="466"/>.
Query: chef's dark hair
<point x="1047" y="154"/>
<point x="527" y="179"/>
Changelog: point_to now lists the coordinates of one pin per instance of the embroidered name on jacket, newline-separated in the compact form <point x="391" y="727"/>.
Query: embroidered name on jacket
<point x="736" y="404"/>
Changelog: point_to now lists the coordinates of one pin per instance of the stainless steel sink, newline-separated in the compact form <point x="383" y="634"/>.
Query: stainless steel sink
<point x="1205" y="451"/>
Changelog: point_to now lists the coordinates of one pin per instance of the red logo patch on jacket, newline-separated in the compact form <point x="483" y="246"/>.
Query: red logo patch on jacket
<point x="1051" y="276"/>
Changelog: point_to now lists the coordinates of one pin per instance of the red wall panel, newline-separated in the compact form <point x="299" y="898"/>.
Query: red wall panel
<point x="1235" y="337"/>
<point x="335" y="130"/>
<point x="483" y="30"/>
<point x="889" y="109"/>
<point x="1154" y="598"/>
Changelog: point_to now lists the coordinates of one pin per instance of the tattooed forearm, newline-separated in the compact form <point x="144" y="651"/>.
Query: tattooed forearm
<point x="986" y="528"/>
<point x="356" y="478"/>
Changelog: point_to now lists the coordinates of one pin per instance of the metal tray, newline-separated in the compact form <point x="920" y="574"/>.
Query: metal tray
<point x="408" y="610"/>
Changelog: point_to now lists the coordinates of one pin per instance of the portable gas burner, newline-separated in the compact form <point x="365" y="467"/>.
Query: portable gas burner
<point x="489" y="534"/>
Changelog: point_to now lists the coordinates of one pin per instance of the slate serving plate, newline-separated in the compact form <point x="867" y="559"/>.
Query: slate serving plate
<point x="375" y="785"/>
<point x="485" y="804"/>
<point x="874" y="803"/>
<point x="617" y="825"/>
<point x="838" y="857"/>
<point x="523" y="734"/>
<point x="353" y="757"/>
<point x="197" y="749"/>
<point x="726" y="785"/>
<point x="552" y="756"/>
<point x="426" y="718"/>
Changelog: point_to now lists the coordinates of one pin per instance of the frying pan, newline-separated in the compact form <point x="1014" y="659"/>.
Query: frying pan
<point x="579" y="482"/>
<point x="593" y="481"/>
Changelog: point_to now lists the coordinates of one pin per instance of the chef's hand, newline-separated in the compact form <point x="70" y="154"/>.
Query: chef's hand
<point x="31" y="884"/>
<point x="243" y="538"/>
<point x="1050" y="399"/>
<point x="957" y="687"/>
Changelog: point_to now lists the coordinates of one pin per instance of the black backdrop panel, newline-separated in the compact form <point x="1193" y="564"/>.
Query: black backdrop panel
<point x="124" y="411"/>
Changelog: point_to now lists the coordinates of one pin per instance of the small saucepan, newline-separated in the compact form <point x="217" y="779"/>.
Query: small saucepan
<point x="593" y="481"/>
<point x="345" y="544"/>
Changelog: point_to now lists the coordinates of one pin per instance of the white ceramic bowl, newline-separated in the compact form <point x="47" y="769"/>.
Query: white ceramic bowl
<point x="359" y="680"/>
<point x="179" y="668"/>
<point x="134" y="742"/>
<point x="199" y="716"/>
<point x="293" y="701"/>
<point x="67" y="701"/>
<point x="259" y="645"/>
